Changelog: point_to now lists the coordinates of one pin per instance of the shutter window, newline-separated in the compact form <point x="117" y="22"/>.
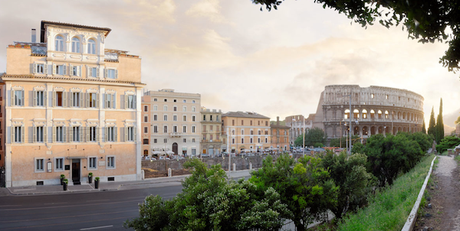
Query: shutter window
<point x="34" y="103"/>
<point x="53" y="139"/>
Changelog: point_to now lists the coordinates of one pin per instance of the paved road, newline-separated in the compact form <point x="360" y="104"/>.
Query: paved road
<point x="77" y="211"/>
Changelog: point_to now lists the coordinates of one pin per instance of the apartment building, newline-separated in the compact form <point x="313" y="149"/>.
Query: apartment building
<point x="279" y="135"/>
<point x="246" y="131"/>
<point x="174" y="119"/>
<point x="71" y="107"/>
<point x="211" y="123"/>
<point x="298" y="125"/>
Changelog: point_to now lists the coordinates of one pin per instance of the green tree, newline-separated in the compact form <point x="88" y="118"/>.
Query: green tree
<point x="304" y="186"/>
<point x="447" y="143"/>
<point x="426" y="21"/>
<point x="313" y="136"/>
<point x="439" y="125"/>
<point x="349" y="173"/>
<point x="336" y="141"/>
<point x="357" y="148"/>
<point x="390" y="155"/>
<point x="432" y="124"/>
<point x="458" y="120"/>
<point x="424" y="127"/>
<point x="209" y="202"/>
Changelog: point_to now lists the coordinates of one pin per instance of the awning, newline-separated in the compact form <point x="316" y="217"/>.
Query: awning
<point x="76" y="157"/>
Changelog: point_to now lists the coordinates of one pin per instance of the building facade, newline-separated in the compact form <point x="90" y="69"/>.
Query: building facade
<point x="374" y="110"/>
<point x="246" y="132"/>
<point x="174" y="119"/>
<point x="71" y="107"/>
<point x="298" y="124"/>
<point x="211" y="131"/>
<point x="279" y="136"/>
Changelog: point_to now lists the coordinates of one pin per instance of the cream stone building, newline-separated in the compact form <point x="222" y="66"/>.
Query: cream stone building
<point x="71" y="107"/>
<point x="246" y="132"/>
<point x="298" y="125"/>
<point x="174" y="119"/>
<point x="211" y="130"/>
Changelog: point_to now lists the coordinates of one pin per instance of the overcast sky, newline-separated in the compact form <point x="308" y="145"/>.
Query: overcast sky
<point x="241" y="59"/>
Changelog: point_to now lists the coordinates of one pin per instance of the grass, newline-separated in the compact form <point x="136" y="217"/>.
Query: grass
<point x="389" y="208"/>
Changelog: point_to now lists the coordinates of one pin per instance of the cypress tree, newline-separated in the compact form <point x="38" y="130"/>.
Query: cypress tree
<point x="439" y="126"/>
<point x="432" y="124"/>
<point x="423" y="127"/>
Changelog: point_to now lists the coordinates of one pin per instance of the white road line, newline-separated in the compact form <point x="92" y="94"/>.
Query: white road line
<point x="99" y="227"/>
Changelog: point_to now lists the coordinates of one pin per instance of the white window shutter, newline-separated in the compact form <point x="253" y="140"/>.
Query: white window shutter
<point x="34" y="68"/>
<point x="34" y="103"/>
<point x="12" y="97"/>
<point x="135" y="102"/>
<point x="81" y="99"/>
<point x="45" y="97"/>
<point x="54" y="134"/>
<point x="64" y="99"/>
<point x="53" y="102"/>
<point x="70" y="134"/>
<point x="22" y="134"/>
<point x="79" y="71"/>
<point x="126" y="134"/>
<point x="116" y="74"/>
<point x="97" y="100"/>
<point x="106" y="105"/>
<point x="98" y="134"/>
<point x="114" y="101"/>
<point x="45" y="134"/>
<point x="115" y="135"/>
<point x="71" y="69"/>
<point x="64" y="68"/>
<point x="87" y="131"/>
<point x="23" y="98"/>
<point x="135" y="134"/>
<point x="12" y="134"/>
<point x="126" y="102"/>
<point x="65" y="131"/>
<point x="106" y="133"/>
<point x="97" y="72"/>
<point x="87" y="99"/>
<point x="106" y="72"/>
<point x="54" y="69"/>
<point x="81" y="134"/>
<point x="45" y="69"/>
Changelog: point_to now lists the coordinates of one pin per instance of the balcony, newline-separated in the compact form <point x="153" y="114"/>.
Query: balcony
<point x="175" y="134"/>
<point x="211" y="141"/>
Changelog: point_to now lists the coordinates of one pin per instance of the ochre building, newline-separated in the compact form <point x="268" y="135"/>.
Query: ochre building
<point x="71" y="107"/>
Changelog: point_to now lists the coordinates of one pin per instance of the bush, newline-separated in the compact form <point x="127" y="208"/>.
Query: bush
<point x="447" y="143"/>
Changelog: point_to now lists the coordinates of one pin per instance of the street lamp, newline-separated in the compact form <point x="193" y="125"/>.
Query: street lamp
<point x="351" y="126"/>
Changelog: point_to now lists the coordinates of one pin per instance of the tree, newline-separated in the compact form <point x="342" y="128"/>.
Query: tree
<point x="458" y="120"/>
<point x="349" y="173"/>
<point x="304" y="186"/>
<point x="447" y="143"/>
<point x="426" y="21"/>
<point x="432" y="124"/>
<point x="209" y="202"/>
<point x="313" y="136"/>
<point x="439" y="125"/>
<point x="344" y="140"/>
<point x="357" y="148"/>
<point x="424" y="128"/>
<point x="390" y="155"/>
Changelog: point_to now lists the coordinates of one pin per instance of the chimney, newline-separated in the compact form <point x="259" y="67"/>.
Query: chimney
<point x="34" y="36"/>
<point x="278" y="120"/>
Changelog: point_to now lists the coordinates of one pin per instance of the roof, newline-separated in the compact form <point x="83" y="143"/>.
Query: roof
<point x="244" y="115"/>
<point x="43" y="30"/>
<point x="6" y="76"/>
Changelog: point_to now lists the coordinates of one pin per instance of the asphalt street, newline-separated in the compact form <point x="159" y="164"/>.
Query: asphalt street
<point x="78" y="211"/>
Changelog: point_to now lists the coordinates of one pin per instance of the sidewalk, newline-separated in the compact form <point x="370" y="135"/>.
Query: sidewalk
<point x="106" y="186"/>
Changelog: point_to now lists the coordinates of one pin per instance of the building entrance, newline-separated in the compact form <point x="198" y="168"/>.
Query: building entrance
<point x="76" y="171"/>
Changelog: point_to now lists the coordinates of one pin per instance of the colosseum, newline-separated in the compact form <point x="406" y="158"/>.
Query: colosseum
<point x="375" y="110"/>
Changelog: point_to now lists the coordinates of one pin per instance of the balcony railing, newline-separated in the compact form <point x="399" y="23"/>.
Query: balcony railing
<point x="211" y="141"/>
<point x="175" y="134"/>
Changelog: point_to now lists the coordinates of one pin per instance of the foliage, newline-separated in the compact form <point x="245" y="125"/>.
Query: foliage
<point x="426" y="21"/>
<point x="318" y="145"/>
<point x="90" y="174"/>
<point x="62" y="176"/>
<point x="390" y="155"/>
<point x="357" y="148"/>
<point x="458" y="120"/>
<point x="439" y="125"/>
<point x="314" y="135"/>
<point x="209" y="202"/>
<point x="432" y="124"/>
<point x="447" y="143"/>
<point x="349" y="173"/>
<point x="304" y="186"/>
<point x="389" y="208"/>
<point x="424" y="127"/>
<point x="336" y="141"/>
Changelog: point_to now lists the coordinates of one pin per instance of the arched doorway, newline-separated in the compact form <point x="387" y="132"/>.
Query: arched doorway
<point x="174" y="148"/>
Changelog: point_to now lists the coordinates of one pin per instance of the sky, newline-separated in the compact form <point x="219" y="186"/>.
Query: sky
<point x="242" y="59"/>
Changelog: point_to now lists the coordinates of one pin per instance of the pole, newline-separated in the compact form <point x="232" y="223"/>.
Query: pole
<point x="351" y="128"/>
<point x="303" y="138"/>
<point x="229" y="152"/>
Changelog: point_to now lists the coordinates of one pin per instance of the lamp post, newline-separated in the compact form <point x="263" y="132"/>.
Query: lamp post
<point x="351" y="126"/>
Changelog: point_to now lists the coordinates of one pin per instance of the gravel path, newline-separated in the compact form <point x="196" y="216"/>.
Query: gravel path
<point x="446" y="166"/>
<point x="448" y="182"/>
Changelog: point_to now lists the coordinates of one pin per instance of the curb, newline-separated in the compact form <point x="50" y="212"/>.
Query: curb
<point x="410" y="222"/>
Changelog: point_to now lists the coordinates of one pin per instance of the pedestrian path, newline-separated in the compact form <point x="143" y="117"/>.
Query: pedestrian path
<point x="105" y="186"/>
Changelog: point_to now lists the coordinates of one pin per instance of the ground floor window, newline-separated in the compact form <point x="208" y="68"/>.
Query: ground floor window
<point x="59" y="164"/>
<point x="39" y="165"/>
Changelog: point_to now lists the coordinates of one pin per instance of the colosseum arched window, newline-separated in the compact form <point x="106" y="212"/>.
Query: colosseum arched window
<point x="364" y="112"/>
<point x="379" y="112"/>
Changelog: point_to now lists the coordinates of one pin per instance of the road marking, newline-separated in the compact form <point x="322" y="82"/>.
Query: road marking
<point x="98" y="200"/>
<point x="99" y="227"/>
